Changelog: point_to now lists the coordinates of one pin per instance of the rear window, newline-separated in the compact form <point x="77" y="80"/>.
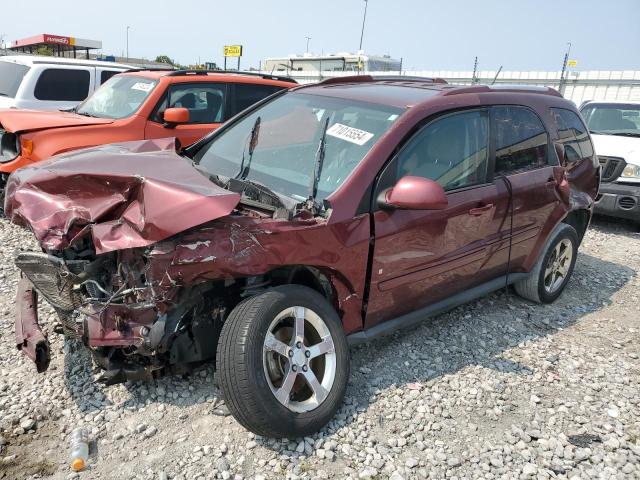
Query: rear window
<point x="11" y="75"/>
<point x="63" y="85"/>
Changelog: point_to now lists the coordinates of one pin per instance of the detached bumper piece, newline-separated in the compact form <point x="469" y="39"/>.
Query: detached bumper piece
<point x="29" y="337"/>
<point x="619" y="200"/>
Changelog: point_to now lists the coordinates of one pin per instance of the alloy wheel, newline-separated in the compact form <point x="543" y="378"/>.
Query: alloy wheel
<point x="558" y="266"/>
<point x="299" y="359"/>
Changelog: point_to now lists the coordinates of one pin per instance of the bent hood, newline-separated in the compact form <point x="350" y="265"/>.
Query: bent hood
<point x="128" y="195"/>
<point x="16" y="120"/>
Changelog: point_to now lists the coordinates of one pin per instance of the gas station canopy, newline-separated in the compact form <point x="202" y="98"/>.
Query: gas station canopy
<point x="60" y="44"/>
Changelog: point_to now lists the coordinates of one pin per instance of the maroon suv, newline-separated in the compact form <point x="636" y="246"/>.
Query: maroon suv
<point x="329" y="213"/>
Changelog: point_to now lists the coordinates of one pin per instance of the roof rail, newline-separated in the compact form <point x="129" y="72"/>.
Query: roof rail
<point x="503" y="88"/>
<point x="179" y="73"/>
<point x="380" y="78"/>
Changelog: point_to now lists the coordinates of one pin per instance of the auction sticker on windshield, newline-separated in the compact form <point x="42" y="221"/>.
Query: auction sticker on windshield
<point x="143" y="86"/>
<point x="350" y="134"/>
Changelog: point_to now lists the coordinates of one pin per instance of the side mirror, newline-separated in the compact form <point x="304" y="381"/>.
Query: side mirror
<point x="414" y="193"/>
<point x="175" y="116"/>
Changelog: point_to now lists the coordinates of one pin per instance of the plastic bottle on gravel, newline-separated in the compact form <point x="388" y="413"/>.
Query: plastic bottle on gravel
<point x="79" y="449"/>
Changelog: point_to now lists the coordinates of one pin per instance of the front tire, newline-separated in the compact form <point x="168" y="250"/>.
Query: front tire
<point x="283" y="362"/>
<point x="553" y="269"/>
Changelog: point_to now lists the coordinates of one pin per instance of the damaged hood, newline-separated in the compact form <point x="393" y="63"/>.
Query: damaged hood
<point x="15" y="120"/>
<point x="128" y="195"/>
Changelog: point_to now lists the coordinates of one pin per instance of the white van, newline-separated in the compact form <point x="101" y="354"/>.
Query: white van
<point x="51" y="83"/>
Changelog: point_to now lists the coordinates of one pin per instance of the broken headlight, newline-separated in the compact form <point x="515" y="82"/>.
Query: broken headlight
<point x="631" y="173"/>
<point x="9" y="146"/>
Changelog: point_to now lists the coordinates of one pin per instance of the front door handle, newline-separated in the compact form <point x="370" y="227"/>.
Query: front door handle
<point x="480" y="210"/>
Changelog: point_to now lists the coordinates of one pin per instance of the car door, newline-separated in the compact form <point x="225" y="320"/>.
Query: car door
<point x="526" y="174"/>
<point x="421" y="257"/>
<point x="206" y="105"/>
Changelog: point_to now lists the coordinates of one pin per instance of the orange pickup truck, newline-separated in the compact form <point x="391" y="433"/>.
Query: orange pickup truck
<point x="137" y="105"/>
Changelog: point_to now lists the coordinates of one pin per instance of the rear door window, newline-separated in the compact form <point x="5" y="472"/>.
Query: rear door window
<point x="520" y="139"/>
<point x="63" y="85"/>
<point x="248" y="94"/>
<point x="11" y="75"/>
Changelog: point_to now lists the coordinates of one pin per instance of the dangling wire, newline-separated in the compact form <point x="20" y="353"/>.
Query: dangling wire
<point x="507" y="184"/>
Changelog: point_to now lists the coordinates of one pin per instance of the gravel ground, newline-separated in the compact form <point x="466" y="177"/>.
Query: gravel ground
<point x="499" y="388"/>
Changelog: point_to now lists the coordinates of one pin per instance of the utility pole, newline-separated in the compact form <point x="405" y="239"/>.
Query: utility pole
<point x="364" y="19"/>
<point x="475" y="70"/>
<point x="2" y="35"/>
<point x="308" y="38"/>
<point x="128" y="27"/>
<point x="564" y="69"/>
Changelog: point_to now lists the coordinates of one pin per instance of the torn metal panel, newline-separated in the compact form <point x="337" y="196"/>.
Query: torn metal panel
<point x="29" y="337"/>
<point x="127" y="195"/>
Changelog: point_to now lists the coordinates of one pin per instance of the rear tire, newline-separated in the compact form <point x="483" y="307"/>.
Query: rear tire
<point x="273" y="383"/>
<point x="553" y="269"/>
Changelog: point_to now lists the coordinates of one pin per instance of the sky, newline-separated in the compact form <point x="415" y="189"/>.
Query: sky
<point x="427" y="35"/>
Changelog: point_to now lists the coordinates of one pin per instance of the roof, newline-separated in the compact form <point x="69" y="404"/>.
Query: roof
<point x="403" y="92"/>
<point x="31" y="60"/>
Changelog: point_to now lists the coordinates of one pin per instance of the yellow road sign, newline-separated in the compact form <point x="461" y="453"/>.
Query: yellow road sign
<point x="572" y="63"/>
<point x="233" y="50"/>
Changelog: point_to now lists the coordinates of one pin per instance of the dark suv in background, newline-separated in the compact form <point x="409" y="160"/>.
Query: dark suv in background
<point x="331" y="212"/>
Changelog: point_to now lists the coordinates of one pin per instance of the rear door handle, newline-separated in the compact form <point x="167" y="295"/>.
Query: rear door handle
<point x="551" y="183"/>
<point x="480" y="210"/>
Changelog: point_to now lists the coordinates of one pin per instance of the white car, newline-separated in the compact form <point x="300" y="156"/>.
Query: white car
<point x="51" y="83"/>
<point x="615" y="131"/>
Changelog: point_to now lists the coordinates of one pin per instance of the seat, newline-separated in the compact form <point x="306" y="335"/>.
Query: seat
<point x="188" y="100"/>
<point x="610" y="119"/>
<point x="214" y="102"/>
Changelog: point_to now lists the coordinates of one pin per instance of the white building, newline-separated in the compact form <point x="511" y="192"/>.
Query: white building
<point x="339" y="62"/>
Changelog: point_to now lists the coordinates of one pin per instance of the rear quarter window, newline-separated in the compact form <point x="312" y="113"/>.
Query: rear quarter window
<point x="572" y="133"/>
<point x="63" y="85"/>
<point x="11" y="75"/>
<point x="107" y="74"/>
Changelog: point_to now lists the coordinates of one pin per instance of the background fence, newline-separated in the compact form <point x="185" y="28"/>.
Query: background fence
<point x="578" y="86"/>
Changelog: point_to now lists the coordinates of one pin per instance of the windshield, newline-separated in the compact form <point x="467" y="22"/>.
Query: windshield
<point x="118" y="97"/>
<point x="613" y="118"/>
<point x="278" y="144"/>
<point x="11" y="75"/>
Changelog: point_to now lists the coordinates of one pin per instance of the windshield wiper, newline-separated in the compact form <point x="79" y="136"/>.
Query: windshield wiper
<point x="627" y="134"/>
<point x="317" y="168"/>
<point x="253" y="142"/>
<point x="85" y="114"/>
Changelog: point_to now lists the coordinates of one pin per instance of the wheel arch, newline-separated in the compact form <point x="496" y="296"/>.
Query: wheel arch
<point x="579" y="220"/>
<point x="331" y="284"/>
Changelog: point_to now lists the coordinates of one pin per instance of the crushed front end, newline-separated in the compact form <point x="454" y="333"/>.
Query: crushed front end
<point x="137" y="325"/>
